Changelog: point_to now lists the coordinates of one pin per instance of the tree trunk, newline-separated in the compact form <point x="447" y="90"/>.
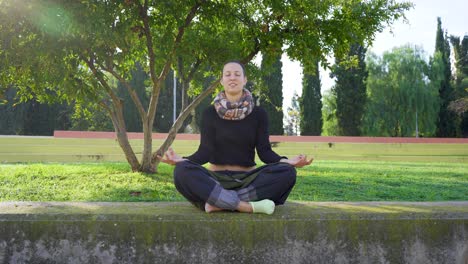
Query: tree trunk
<point x="146" y="165"/>
<point x="127" y="148"/>
<point x="122" y="137"/>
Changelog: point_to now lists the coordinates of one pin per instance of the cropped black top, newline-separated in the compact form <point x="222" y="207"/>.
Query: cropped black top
<point x="233" y="142"/>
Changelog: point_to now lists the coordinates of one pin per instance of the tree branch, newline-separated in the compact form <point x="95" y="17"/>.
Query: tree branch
<point x="167" y="66"/>
<point x="115" y="99"/>
<point x="149" y="40"/>
<point x="131" y="91"/>
<point x="98" y="74"/>
<point x="194" y="69"/>
<point x="180" y="119"/>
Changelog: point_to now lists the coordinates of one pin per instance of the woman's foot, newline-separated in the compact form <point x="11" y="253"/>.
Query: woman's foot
<point x="263" y="207"/>
<point x="243" y="207"/>
<point x="210" y="208"/>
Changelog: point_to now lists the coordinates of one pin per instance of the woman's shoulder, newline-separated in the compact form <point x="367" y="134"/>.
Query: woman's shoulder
<point x="259" y="112"/>
<point x="209" y="110"/>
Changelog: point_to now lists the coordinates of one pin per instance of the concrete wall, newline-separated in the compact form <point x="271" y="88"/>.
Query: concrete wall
<point x="178" y="233"/>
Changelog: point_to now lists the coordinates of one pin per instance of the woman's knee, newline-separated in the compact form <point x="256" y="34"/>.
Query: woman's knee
<point x="286" y="172"/>
<point x="292" y="173"/>
<point x="282" y="173"/>
<point x="181" y="172"/>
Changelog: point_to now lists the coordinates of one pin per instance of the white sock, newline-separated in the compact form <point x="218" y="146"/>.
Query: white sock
<point x="263" y="207"/>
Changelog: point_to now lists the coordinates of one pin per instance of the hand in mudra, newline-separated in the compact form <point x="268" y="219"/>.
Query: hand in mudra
<point x="299" y="161"/>
<point x="171" y="157"/>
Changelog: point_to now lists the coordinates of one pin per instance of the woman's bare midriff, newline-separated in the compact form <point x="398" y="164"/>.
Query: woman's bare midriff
<point x="218" y="167"/>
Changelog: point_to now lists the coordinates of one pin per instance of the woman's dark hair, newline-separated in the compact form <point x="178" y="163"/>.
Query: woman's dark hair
<point x="238" y="62"/>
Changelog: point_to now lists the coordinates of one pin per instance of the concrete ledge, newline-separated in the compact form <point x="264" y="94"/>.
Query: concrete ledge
<point x="326" y="232"/>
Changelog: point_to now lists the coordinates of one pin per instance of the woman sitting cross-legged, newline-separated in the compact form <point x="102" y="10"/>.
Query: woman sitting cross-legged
<point x="232" y="129"/>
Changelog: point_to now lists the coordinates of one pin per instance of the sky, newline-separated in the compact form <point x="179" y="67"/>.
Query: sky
<point x="420" y="30"/>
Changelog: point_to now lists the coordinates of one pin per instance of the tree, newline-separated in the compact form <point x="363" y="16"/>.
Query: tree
<point x="330" y="124"/>
<point x="350" y="91"/>
<point x="311" y="103"/>
<point x="78" y="44"/>
<point x="293" y="117"/>
<point x="11" y="119"/>
<point x="446" y="124"/>
<point x="272" y="97"/>
<point x="460" y="105"/>
<point x="90" y="117"/>
<point x="401" y="100"/>
<point x="32" y="117"/>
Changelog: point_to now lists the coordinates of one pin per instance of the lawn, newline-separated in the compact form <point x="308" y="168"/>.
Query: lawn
<point x="325" y="180"/>
<point x="57" y="169"/>
<point x="23" y="149"/>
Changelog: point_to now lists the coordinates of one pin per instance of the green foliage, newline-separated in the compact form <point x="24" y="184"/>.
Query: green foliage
<point x="60" y="50"/>
<point x="350" y="91"/>
<point x="272" y="97"/>
<point x="11" y="118"/>
<point x="311" y="103"/>
<point x="330" y="124"/>
<point x="32" y="117"/>
<point x="399" y="94"/>
<point x="293" y="118"/>
<point x="90" y="117"/>
<point x="60" y="36"/>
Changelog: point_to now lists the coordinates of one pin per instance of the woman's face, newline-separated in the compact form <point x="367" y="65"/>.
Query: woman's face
<point x="233" y="79"/>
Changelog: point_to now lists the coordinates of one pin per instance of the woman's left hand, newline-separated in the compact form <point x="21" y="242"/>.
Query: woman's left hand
<point x="299" y="161"/>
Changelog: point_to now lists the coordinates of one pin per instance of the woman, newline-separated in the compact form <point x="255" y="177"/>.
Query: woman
<point x="231" y="131"/>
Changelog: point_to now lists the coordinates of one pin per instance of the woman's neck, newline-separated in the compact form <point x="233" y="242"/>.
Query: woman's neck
<point x="233" y="97"/>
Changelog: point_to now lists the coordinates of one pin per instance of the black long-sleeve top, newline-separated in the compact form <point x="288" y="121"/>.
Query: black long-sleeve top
<point x="233" y="142"/>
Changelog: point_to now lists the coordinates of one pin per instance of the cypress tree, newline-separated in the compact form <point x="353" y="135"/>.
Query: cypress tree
<point x="350" y="92"/>
<point x="460" y="105"/>
<point x="272" y="99"/>
<point x="446" y="123"/>
<point x="311" y="103"/>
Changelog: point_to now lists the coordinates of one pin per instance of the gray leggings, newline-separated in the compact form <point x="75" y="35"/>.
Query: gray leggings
<point x="196" y="184"/>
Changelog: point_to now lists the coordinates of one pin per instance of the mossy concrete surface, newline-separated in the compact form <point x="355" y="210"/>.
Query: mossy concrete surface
<point x="176" y="232"/>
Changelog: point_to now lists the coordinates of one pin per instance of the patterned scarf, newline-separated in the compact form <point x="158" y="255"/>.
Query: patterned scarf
<point x="234" y="111"/>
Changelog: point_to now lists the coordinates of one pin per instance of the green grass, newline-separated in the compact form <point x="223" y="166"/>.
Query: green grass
<point x="323" y="181"/>
<point x="14" y="149"/>
<point x="95" y="170"/>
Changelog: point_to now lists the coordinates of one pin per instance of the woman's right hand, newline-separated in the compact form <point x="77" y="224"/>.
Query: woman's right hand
<point x="171" y="157"/>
